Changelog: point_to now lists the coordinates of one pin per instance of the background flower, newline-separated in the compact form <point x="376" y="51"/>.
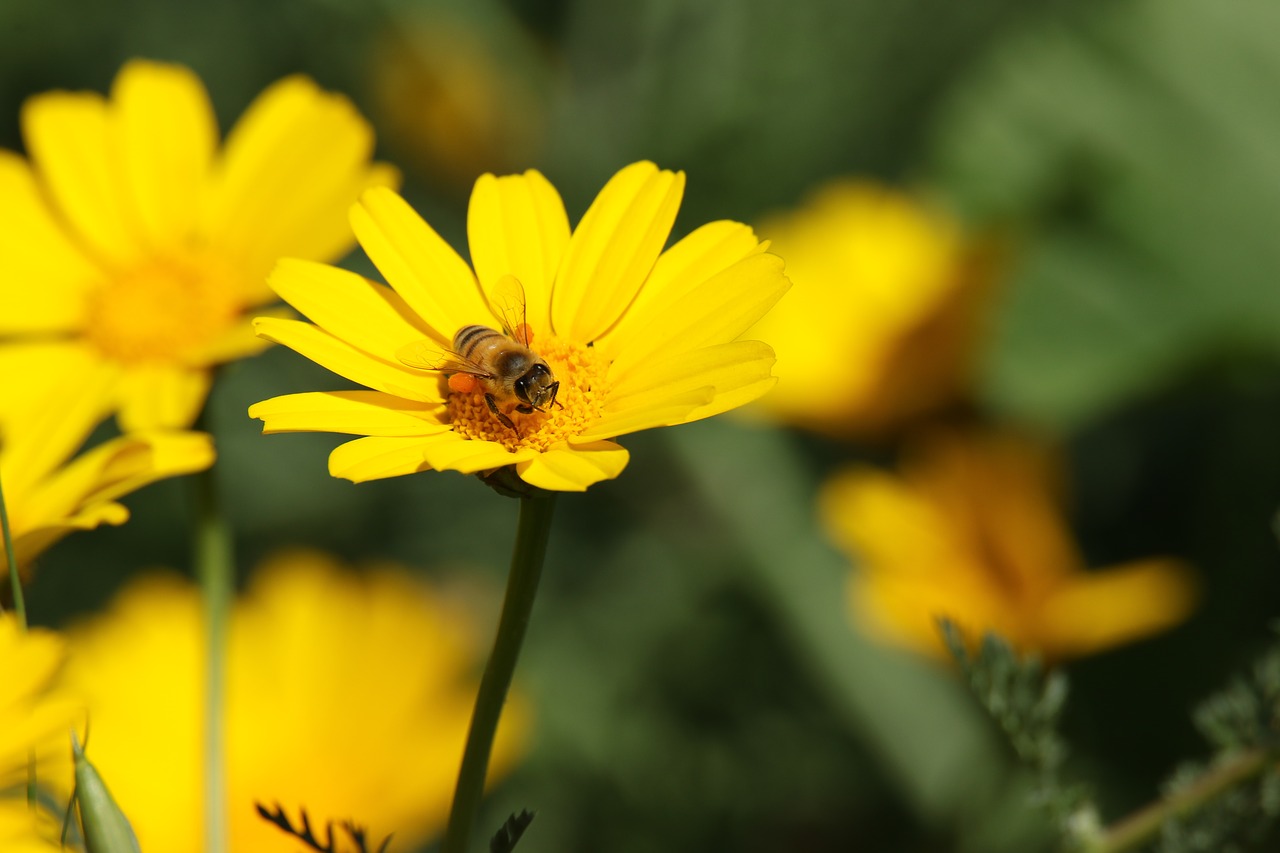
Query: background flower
<point x="347" y="694"/>
<point x="884" y="320"/>
<point x="971" y="531"/>
<point x="636" y="337"/>
<point x="131" y="247"/>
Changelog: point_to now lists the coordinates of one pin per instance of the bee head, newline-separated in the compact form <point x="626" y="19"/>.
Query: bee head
<point x="537" y="387"/>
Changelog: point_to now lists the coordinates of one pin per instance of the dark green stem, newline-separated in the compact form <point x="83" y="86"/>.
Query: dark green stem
<point x="216" y="571"/>
<point x="1143" y="825"/>
<point x="532" y="532"/>
<point x="15" y="580"/>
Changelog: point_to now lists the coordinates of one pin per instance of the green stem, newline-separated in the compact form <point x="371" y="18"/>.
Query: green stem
<point x="216" y="571"/>
<point x="1144" y="824"/>
<point x="15" y="580"/>
<point x="532" y="531"/>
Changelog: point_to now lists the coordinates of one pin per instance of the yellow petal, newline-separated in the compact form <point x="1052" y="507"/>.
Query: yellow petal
<point x="291" y="166"/>
<point x="717" y="311"/>
<point x="651" y="409"/>
<point x="613" y="249"/>
<point x="725" y="367"/>
<point x="345" y="360"/>
<point x="467" y="456"/>
<point x="683" y="268"/>
<point x="418" y="263"/>
<point x="1099" y="609"/>
<point x="517" y="225"/>
<point x="574" y="469"/>
<point x="352" y="412"/>
<point x="369" y="316"/>
<point x="161" y="396"/>
<point x="44" y="276"/>
<point x="167" y="133"/>
<point x="55" y="395"/>
<point x="237" y="341"/>
<point x="377" y="457"/>
<point x="30" y="544"/>
<point x="68" y="137"/>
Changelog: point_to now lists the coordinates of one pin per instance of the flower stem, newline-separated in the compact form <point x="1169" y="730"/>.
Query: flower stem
<point x="216" y="571"/>
<point x="532" y="531"/>
<point x="1144" y="824"/>
<point x="15" y="580"/>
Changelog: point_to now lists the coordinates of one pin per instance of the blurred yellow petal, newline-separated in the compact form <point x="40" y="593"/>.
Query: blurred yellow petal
<point x="157" y="396"/>
<point x="613" y="249"/>
<point x="236" y="342"/>
<point x="574" y="470"/>
<point x="418" y="264"/>
<point x="69" y="139"/>
<point x="350" y="412"/>
<point x="167" y="135"/>
<point x="372" y="317"/>
<point x="1117" y="605"/>
<point x="30" y="543"/>
<point x="46" y="273"/>
<point x="517" y="225"/>
<point x="345" y="360"/>
<point x="376" y="457"/>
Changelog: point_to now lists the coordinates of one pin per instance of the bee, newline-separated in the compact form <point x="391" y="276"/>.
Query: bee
<point x="499" y="363"/>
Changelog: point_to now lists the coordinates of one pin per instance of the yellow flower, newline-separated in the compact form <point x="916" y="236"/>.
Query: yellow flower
<point x="34" y="720"/>
<point x="971" y="531"/>
<point x="131" y="247"/>
<point x="48" y="496"/>
<point x="636" y="337"/>
<point x="882" y="323"/>
<point x="347" y="695"/>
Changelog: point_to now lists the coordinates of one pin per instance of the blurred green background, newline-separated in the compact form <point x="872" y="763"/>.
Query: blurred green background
<point x="697" y="683"/>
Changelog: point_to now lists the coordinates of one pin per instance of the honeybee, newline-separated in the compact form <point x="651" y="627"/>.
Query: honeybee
<point x="500" y="363"/>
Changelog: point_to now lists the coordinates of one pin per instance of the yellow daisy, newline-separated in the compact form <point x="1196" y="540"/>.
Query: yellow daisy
<point x="131" y="246"/>
<point x="347" y="694"/>
<point x="48" y="496"/>
<point x="635" y="336"/>
<point x="971" y="531"/>
<point x="898" y="293"/>
<point x="34" y="719"/>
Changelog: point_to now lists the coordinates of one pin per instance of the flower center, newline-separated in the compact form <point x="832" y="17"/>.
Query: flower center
<point x="165" y="309"/>
<point x="582" y="375"/>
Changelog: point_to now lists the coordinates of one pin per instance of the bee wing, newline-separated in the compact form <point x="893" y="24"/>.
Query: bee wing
<point x="506" y="301"/>
<point x="425" y="355"/>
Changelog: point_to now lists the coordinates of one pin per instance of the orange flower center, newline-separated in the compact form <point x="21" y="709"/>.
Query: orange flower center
<point x="583" y="377"/>
<point x="166" y="309"/>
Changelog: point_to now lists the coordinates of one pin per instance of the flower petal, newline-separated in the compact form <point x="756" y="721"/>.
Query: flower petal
<point x="276" y="191"/>
<point x="377" y="457"/>
<point x="467" y="456"/>
<point x="167" y="134"/>
<point x="352" y="412"/>
<point x="235" y="342"/>
<point x="517" y="225"/>
<point x="613" y="249"/>
<point x="1097" y="610"/>
<point x="44" y="274"/>
<point x="345" y="360"/>
<point x="418" y="263"/>
<point x="651" y="409"/>
<point x="68" y="138"/>
<point x="161" y="396"/>
<point x="721" y="308"/>
<point x="739" y="372"/>
<point x="681" y="269"/>
<point x="574" y="469"/>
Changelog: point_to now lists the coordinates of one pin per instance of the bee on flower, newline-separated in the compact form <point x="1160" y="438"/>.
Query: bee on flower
<point x="613" y="334"/>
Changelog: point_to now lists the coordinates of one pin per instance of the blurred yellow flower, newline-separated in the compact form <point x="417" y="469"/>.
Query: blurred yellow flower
<point x="882" y="323"/>
<point x="636" y="337"/>
<point x="348" y="695"/>
<point x="35" y="720"/>
<point x="48" y="496"/>
<point x="131" y="248"/>
<point x="971" y="531"/>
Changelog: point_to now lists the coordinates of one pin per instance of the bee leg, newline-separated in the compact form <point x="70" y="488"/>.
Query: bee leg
<point x="506" y="421"/>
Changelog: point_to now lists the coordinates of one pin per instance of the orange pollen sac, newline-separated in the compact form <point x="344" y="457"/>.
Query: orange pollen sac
<point x="164" y="310"/>
<point x="583" y="378"/>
